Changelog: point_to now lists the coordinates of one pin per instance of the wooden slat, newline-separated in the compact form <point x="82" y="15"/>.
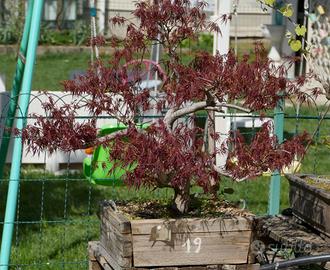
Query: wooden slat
<point x="115" y="263"/>
<point x="94" y="265"/>
<point x="300" y="182"/>
<point x="92" y="261"/>
<point x="215" y="248"/>
<point x="193" y="225"/>
<point x="116" y="243"/>
<point x="121" y="261"/>
<point x="303" y="200"/>
<point x="287" y="231"/>
<point x="92" y="246"/>
<point x="116" y="247"/>
<point x="104" y="264"/>
<point x="119" y="221"/>
<point x="184" y="268"/>
<point x="213" y="267"/>
<point x="124" y="239"/>
<point x="107" y="227"/>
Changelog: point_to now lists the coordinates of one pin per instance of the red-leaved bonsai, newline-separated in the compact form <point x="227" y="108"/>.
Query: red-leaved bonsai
<point x="171" y="153"/>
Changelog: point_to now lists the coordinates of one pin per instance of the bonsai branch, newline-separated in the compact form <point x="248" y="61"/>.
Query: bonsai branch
<point x="107" y="138"/>
<point x="229" y="175"/>
<point x="172" y="115"/>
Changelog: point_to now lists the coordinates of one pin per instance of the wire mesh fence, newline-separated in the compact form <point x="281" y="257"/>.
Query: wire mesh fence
<point x="63" y="22"/>
<point x="57" y="212"/>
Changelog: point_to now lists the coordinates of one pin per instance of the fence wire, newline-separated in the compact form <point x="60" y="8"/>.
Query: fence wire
<point x="57" y="212"/>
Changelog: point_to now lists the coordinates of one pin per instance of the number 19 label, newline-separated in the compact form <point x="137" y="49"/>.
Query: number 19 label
<point x="197" y="243"/>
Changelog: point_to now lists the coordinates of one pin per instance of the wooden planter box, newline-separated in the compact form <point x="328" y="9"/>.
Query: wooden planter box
<point x="309" y="203"/>
<point x="176" y="242"/>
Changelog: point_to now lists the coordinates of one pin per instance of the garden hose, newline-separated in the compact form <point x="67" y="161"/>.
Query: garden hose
<point x="296" y="262"/>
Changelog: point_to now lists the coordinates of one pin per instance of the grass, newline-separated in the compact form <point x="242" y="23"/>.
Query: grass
<point x="57" y="216"/>
<point x="50" y="69"/>
<point x="316" y="160"/>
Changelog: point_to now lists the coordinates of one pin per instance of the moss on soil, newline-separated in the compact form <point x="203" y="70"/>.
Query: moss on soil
<point x="201" y="208"/>
<point x="323" y="184"/>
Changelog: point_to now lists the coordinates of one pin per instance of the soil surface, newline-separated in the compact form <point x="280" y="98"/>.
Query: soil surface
<point x="201" y="208"/>
<point x="321" y="183"/>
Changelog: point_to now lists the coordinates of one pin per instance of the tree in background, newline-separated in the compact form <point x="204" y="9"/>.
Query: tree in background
<point x="12" y="14"/>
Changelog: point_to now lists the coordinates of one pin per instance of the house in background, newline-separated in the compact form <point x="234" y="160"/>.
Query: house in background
<point x="247" y="22"/>
<point x="63" y="14"/>
<point x="319" y="37"/>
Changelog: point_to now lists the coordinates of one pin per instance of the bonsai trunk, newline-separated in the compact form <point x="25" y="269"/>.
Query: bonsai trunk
<point x="181" y="200"/>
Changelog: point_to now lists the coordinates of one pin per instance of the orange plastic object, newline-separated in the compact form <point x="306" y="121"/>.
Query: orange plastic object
<point x="89" y="150"/>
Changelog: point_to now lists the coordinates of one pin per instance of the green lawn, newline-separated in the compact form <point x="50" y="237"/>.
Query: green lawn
<point x="57" y="215"/>
<point x="50" y="69"/>
<point x="316" y="159"/>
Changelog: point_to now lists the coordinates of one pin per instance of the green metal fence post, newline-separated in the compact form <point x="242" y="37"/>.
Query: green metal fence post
<point x="275" y="182"/>
<point x="18" y="146"/>
<point x="16" y="88"/>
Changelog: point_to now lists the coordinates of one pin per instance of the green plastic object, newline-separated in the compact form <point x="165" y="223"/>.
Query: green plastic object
<point x="99" y="169"/>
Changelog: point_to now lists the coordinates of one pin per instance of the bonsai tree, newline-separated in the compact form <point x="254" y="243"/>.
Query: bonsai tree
<point x="170" y="152"/>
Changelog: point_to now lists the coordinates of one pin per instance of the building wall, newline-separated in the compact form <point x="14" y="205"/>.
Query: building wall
<point x="249" y="24"/>
<point x="319" y="39"/>
<point x="250" y="17"/>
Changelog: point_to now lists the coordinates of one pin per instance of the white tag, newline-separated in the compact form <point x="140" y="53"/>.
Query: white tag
<point x="160" y="233"/>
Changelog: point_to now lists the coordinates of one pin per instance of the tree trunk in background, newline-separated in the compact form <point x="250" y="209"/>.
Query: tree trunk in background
<point x="80" y="9"/>
<point x="60" y="14"/>
<point x="21" y="14"/>
<point x="2" y="11"/>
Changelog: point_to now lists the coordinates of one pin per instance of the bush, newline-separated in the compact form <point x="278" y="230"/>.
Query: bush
<point x="76" y="36"/>
<point x="9" y="34"/>
<point x="204" y="42"/>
